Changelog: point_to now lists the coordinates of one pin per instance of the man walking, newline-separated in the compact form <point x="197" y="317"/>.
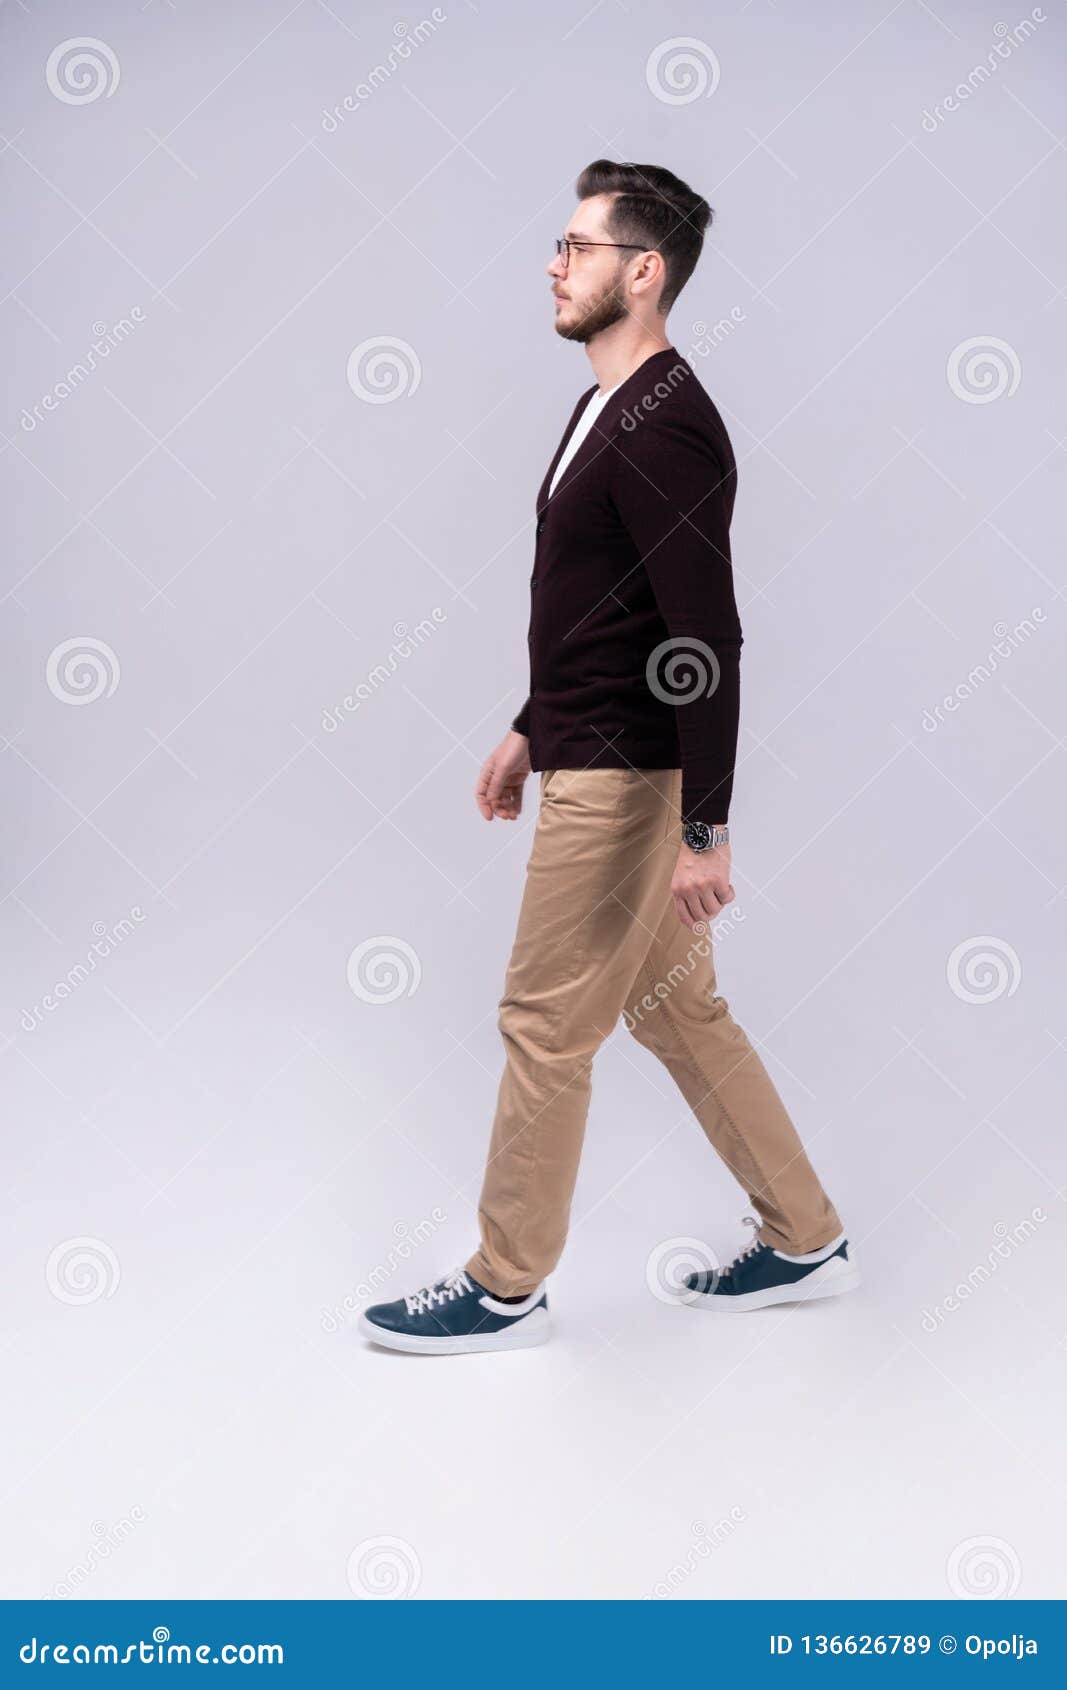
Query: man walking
<point x="631" y="721"/>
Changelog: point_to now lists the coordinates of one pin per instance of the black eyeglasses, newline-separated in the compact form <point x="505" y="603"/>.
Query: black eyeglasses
<point x="563" y="247"/>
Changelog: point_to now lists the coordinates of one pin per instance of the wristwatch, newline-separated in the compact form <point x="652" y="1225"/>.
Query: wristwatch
<point x="700" y="837"/>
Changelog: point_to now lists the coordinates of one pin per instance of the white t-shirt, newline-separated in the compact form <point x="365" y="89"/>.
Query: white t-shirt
<point x="581" y="429"/>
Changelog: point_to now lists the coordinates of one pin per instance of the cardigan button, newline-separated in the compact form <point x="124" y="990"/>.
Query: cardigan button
<point x="540" y="527"/>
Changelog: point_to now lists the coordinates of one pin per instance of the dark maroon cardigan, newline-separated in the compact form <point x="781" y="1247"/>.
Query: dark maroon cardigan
<point x="635" y="641"/>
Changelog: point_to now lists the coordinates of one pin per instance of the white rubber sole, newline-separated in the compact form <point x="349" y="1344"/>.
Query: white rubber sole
<point x="831" y="1279"/>
<point x="534" y="1328"/>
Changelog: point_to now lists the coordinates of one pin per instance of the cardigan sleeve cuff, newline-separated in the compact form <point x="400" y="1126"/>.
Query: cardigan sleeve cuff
<point x="707" y="803"/>
<point x="521" y="724"/>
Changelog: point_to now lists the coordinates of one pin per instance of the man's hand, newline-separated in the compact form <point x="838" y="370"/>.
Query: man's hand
<point x="499" y="789"/>
<point x="701" y="885"/>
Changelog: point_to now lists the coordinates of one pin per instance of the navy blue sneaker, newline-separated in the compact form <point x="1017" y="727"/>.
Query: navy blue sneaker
<point x="455" y="1316"/>
<point x="762" y="1276"/>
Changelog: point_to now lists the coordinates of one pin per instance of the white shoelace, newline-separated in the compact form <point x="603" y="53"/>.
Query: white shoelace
<point x="749" y="1249"/>
<point x="452" y="1285"/>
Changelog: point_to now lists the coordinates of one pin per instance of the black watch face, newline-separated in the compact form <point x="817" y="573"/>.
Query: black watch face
<point x="697" y="836"/>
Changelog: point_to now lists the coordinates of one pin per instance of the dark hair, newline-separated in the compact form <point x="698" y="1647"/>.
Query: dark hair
<point x="654" y="209"/>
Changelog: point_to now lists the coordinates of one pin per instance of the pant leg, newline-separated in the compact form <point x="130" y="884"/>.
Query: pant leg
<point x="673" y="1010"/>
<point x="599" y="872"/>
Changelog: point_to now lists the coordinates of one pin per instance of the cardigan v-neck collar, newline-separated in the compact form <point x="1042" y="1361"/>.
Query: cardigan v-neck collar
<point x="606" y="417"/>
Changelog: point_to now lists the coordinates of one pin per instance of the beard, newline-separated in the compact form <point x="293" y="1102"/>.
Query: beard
<point x="608" y="309"/>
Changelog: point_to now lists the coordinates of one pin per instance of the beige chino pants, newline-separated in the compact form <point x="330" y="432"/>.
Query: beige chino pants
<point x="598" y="938"/>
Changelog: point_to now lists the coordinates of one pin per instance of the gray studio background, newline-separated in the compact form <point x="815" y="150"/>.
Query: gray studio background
<point x="236" y="1121"/>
